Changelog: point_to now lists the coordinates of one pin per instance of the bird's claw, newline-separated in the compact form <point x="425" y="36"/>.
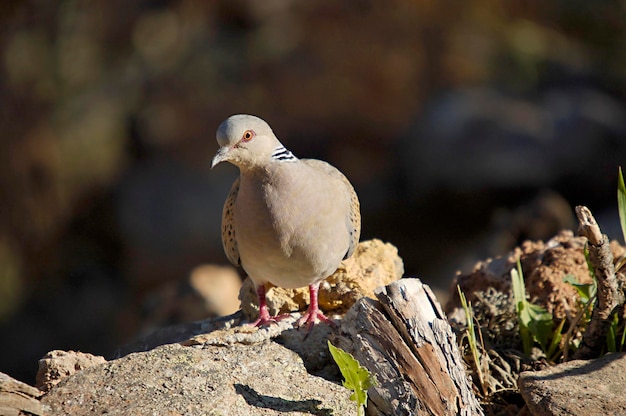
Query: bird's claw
<point x="310" y="318"/>
<point x="267" y="320"/>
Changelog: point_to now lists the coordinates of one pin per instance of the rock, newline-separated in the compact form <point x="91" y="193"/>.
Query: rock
<point x="220" y="367"/>
<point x="540" y="218"/>
<point x="56" y="365"/>
<point x="179" y="333"/>
<point x="594" y="387"/>
<point x="311" y="345"/>
<point x="554" y="137"/>
<point x="208" y="291"/>
<point x="219" y="287"/>
<point x="544" y="266"/>
<point x="259" y="379"/>
<point x="17" y="398"/>
<point x="488" y="288"/>
<point x="373" y="264"/>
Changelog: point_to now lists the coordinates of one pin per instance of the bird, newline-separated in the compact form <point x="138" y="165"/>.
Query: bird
<point x="286" y="221"/>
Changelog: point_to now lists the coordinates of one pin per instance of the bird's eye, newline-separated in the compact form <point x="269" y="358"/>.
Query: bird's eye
<point x="247" y="136"/>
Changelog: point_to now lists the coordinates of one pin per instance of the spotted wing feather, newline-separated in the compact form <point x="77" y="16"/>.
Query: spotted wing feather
<point x="229" y="239"/>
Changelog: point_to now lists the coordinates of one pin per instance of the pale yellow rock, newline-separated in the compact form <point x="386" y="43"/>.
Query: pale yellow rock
<point x="218" y="286"/>
<point x="17" y="398"/>
<point x="57" y="365"/>
<point x="373" y="264"/>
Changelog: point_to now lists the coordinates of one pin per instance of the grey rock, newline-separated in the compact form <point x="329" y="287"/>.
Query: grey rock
<point x="594" y="387"/>
<point x="260" y="379"/>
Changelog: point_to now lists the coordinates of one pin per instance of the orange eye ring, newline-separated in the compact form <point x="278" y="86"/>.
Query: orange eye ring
<point x="247" y="136"/>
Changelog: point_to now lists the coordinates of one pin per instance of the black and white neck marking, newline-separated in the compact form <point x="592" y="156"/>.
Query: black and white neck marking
<point x="281" y="154"/>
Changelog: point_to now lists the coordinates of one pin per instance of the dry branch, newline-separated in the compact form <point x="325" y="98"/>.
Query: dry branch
<point x="609" y="297"/>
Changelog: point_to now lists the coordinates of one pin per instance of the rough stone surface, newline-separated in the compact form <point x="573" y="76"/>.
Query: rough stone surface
<point x="56" y="365"/>
<point x="179" y="333"/>
<point x="17" y="398"/>
<point x="260" y="379"/>
<point x="594" y="387"/>
<point x="373" y="264"/>
<point x="311" y="345"/>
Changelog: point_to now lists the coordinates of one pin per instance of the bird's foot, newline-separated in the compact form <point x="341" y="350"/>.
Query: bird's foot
<point x="264" y="314"/>
<point x="312" y="316"/>
<point x="266" y="319"/>
<point x="314" y="313"/>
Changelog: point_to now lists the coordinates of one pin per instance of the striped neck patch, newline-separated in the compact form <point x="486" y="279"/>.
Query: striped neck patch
<point x="283" y="155"/>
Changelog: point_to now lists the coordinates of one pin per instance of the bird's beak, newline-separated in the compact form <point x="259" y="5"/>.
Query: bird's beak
<point x="220" y="156"/>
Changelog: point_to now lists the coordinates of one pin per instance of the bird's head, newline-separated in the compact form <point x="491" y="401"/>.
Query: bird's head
<point x="245" y="141"/>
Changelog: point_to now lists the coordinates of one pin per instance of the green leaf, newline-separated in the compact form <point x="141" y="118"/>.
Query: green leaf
<point x="519" y="296"/>
<point x="519" y="291"/>
<point x="621" y="201"/>
<point x="356" y="378"/>
<point x="535" y="323"/>
<point x="613" y="342"/>
<point x="556" y="341"/>
<point x="585" y="291"/>
<point x="590" y="266"/>
<point x="540" y="324"/>
<point x="611" y="336"/>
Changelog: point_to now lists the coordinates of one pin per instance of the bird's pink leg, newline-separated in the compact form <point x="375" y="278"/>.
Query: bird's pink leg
<point x="313" y="313"/>
<point x="264" y="315"/>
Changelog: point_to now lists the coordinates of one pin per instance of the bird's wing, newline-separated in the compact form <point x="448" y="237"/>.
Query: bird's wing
<point x="354" y="216"/>
<point x="229" y="239"/>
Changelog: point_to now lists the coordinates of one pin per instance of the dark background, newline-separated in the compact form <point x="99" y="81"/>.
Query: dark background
<point x="465" y="127"/>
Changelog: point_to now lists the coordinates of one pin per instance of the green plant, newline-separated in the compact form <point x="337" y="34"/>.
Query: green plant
<point x="586" y="291"/>
<point x="470" y="331"/>
<point x="614" y="343"/>
<point x="535" y="323"/>
<point x="356" y="378"/>
<point x="621" y="201"/>
<point x="621" y="209"/>
<point x="586" y="298"/>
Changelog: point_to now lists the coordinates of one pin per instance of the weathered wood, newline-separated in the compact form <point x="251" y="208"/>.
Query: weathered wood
<point x="609" y="295"/>
<point x="406" y="342"/>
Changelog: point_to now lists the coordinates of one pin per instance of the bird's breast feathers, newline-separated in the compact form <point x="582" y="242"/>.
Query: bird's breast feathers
<point x="295" y="218"/>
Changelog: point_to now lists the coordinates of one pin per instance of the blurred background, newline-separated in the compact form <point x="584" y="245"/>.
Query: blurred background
<point x="465" y="127"/>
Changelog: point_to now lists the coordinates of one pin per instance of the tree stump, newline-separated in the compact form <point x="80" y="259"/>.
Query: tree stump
<point x="405" y="341"/>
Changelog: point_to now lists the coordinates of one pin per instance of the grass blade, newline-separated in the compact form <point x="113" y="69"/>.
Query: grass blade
<point x="621" y="201"/>
<point x="471" y="338"/>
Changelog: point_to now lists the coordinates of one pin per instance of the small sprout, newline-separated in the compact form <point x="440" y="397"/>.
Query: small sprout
<point x="611" y="336"/>
<point x="621" y="262"/>
<point x="356" y="378"/>
<point x="590" y="266"/>
<point x="471" y="337"/>
<point x="586" y="291"/>
<point x="535" y="323"/>
<point x="554" y="349"/>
